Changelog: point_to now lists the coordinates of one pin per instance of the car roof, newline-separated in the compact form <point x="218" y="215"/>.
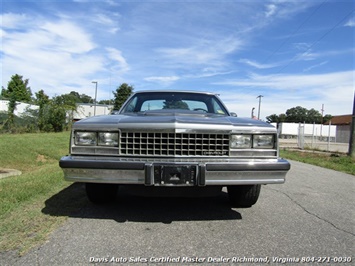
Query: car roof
<point x="175" y="91"/>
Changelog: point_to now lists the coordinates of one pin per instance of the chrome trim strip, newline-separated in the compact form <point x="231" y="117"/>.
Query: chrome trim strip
<point x="100" y="171"/>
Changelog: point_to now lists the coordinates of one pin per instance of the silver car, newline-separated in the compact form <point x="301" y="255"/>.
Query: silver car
<point x="174" y="140"/>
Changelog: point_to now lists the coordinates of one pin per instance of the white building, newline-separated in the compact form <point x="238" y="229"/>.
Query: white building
<point x="20" y="107"/>
<point x="293" y="130"/>
<point x="85" y="110"/>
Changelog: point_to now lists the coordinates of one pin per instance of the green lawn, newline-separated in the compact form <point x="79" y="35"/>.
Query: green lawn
<point x="22" y="221"/>
<point x="336" y="162"/>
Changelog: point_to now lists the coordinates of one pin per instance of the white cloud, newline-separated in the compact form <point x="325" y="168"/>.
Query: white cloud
<point x="257" y="65"/>
<point x="205" y="52"/>
<point x="117" y="57"/>
<point x="270" y="10"/>
<point x="109" y="24"/>
<point x="67" y="36"/>
<point x="335" y="90"/>
<point x="164" y="80"/>
<point x="13" y="21"/>
<point x="350" y="23"/>
<point x="306" y="56"/>
<point x="283" y="82"/>
<point x="315" y="66"/>
<point x="54" y="56"/>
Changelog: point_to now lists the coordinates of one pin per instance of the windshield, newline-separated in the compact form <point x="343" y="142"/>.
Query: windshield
<point x="160" y="101"/>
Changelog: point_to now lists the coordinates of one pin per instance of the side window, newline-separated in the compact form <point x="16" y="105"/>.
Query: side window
<point x="218" y="109"/>
<point x="130" y="108"/>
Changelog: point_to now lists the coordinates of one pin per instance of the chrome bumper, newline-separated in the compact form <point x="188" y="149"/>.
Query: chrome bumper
<point x="125" y="171"/>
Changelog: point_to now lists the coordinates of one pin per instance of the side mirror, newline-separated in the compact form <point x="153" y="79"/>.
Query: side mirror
<point x="234" y="114"/>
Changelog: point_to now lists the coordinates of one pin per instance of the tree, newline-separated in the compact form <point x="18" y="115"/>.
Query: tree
<point x="17" y="91"/>
<point x="299" y="115"/>
<point x="327" y="118"/>
<point x="272" y="118"/>
<point x="79" y="98"/>
<point x="296" y="114"/>
<point x="302" y="115"/>
<point x="107" y="102"/>
<point x="122" y="93"/>
<point x="175" y="105"/>
<point x="282" y="118"/>
<point x="54" y="117"/>
<point x="83" y="98"/>
<point x="17" y="88"/>
<point x="313" y="116"/>
<point x="42" y="100"/>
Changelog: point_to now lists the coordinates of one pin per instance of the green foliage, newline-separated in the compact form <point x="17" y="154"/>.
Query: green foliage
<point x="54" y="114"/>
<point x="327" y="118"/>
<point x="54" y="117"/>
<point x="299" y="115"/>
<point x="107" y="102"/>
<point x="175" y="105"/>
<point x="41" y="100"/>
<point x="122" y="93"/>
<point x="17" y="91"/>
<point x="274" y="118"/>
<point x="74" y="97"/>
<point x="27" y="123"/>
<point x="9" y="123"/>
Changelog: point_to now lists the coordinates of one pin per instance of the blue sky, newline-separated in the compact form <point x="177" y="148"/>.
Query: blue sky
<point x="293" y="52"/>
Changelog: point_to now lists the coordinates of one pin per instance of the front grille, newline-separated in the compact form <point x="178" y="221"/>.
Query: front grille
<point x="174" y="144"/>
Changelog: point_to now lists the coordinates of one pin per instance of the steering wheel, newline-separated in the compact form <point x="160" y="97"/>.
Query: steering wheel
<point x="201" y="109"/>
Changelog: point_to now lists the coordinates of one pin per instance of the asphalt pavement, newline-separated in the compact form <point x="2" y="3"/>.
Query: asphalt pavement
<point x="309" y="219"/>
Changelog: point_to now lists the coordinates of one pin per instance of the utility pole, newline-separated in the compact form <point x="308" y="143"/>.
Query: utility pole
<point x="352" y="133"/>
<point x="321" y="123"/>
<point x="260" y="96"/>
<point x="95" y="96"/>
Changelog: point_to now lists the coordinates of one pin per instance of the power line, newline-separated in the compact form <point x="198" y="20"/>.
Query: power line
<point x="294" y="32"/>
<point x="318" y="40"/>
<point x="260" y="96"/>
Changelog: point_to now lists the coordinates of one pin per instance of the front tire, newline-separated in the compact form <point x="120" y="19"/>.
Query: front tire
<point x="101" y="193"/>
<point x="243" y="196"/>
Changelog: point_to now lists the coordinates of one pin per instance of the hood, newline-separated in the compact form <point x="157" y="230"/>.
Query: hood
<point x="169" y="120"/>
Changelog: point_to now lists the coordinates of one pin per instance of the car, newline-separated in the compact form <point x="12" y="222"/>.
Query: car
<point x="174" y="140"/>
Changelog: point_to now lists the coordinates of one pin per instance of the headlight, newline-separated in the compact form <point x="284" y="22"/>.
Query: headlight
<point x="108" y="139"/>
<point x="263" y="141"/>
<point x="241" y="141"/>
<point x="85" y="138"/>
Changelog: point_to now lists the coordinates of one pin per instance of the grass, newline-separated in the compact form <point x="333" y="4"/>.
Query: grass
<point x="23" y="224"/>
<point x="336" y="162"/>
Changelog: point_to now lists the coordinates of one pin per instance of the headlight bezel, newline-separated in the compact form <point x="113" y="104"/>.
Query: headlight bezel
<point x="96" y="138"/>
<point x="109" y="139"/>
<point x="81" y="136"/>
<point x="241" y="141"/>
<point x="263" y="141"/>
<point x="252" y="141"/>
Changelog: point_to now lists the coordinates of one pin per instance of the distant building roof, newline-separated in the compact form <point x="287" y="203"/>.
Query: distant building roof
<point x="341" y="120"/>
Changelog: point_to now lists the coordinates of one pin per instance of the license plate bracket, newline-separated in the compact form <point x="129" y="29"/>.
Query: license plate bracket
<point x="175" y="175"/>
